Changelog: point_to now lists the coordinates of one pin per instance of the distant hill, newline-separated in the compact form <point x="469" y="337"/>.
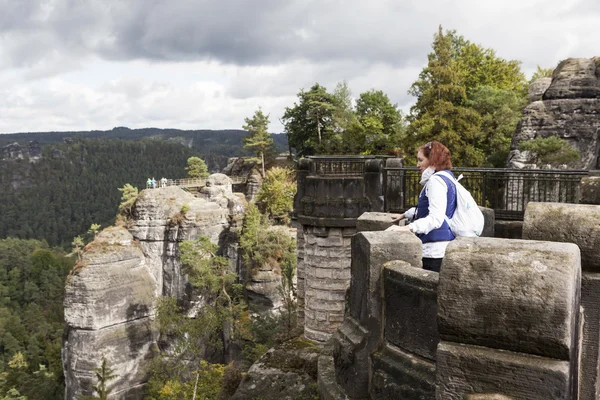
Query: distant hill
<point x="214" y="146"/>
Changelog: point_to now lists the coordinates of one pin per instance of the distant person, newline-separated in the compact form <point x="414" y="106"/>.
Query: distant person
<point x="148" y="183"/>
<point x="163" y="182"/>
<point x="153" y="183"/>
<point x="436" y="201"/>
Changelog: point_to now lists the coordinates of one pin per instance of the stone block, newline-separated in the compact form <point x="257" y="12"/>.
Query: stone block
<point x="329" y="389"/>
<point x="351" y="359"/>
<point x="489" y="221"/>
<point x="374" y="221"/>
<point x="516" y="295"/>
<point x="370" y="250"/>
<point x="590" y="344"/>
<point x="401" y="375"/>
<point x="464" y="370"/>
<point x="590" y="190"/>
<point x="508" y="229"/>
<point x="560" y="222"/>
<point x="411" y="308"/>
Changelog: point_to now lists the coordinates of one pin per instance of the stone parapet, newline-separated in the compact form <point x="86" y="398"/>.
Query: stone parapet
<point x="579" y="224"/>
<point x="507" y="309"/>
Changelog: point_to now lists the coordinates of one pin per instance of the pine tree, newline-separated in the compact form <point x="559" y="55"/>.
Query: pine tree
<point x="258" y="140"/>
<point x="440" y="112"/>
<point x="196" y="168"/>
<point x="103" y="375"/>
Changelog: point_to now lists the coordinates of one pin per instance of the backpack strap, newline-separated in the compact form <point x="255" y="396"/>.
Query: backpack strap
<point x="455" y="181"/>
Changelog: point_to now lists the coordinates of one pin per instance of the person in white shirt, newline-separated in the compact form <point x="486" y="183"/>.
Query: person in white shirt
<point x="436" y="201"/>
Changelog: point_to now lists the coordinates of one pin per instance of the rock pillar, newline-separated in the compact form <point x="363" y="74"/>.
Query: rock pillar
<point x="579" y="224"/>
<point x="332" y="193"/>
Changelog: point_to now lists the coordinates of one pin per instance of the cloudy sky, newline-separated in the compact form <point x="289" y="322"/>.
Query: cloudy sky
<point x="196" y="64"/>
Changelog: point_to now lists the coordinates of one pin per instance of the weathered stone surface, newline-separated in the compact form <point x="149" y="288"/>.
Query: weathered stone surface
<point x="511" y="294"/>
<point x="590" y="190"/>
<point x="112" y="285"/>
<point x="370" y="251"/>
<point x="464" y="370"/>
<point x="575" y="78"/>
<point x="590" y="342"/>
<point x="286" y="372"/>
<point x="508" y="229"/>
<point x="128" y="347"/>
<point x="569" y="110"/>
<point x="158" y="209"/>
<point x="401" y="375"/>
<point x="489" y="222"/>
<point x="574" y="223"/>
<point x="411" y="308"/>
<point x="361" y="333"/>
<point x="351" y="358"/>
<point x="538" y="88"/>
<point x="109" y="301"/>
<point x="374" y="221"/>
<point x="329" y="389"/>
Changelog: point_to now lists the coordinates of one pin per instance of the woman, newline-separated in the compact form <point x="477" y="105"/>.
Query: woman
<point x="436" y="201"/>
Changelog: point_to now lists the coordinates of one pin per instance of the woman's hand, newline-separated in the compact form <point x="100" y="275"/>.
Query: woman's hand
<point x="397" y="218"/>
<point x="397" y="228"/>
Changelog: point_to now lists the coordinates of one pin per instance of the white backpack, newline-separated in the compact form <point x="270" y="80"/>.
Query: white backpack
<point x="468" y="218"/>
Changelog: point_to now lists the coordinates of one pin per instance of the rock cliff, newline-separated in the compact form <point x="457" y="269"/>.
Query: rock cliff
<point x="569" y="107"/>
<point x="110" y="297"/>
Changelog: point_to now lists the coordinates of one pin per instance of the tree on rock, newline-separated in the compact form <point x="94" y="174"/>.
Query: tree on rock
<point x="276" y="195"/>
<point x="103" y="375"/>
<point x="258" y="139"/>
<point x="196" y="168"/>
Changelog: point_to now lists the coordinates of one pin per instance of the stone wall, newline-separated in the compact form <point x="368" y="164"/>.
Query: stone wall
<point x="579" y="224"/>
<point x="501" y="321"/>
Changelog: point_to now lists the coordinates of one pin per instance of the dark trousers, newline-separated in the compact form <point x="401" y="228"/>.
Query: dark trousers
<point x="432" y="264"/>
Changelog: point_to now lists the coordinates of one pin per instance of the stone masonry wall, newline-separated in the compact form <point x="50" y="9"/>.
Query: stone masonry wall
<point x="327" y="276"/>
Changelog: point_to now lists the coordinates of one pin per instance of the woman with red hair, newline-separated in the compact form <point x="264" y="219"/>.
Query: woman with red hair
<point x="436" y="202"/>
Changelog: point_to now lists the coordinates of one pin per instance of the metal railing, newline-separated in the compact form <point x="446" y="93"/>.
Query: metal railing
<point x="507" y="191"/>
<point x="196" y="182"/>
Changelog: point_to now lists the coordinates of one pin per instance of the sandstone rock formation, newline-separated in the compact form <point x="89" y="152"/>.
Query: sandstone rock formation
<point x="568" y="108"/>
<point x="110" y="298"/>
<point x="287" y="372"/>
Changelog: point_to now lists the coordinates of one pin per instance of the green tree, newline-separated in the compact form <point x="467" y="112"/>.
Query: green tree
<point x="276" y="194"/>
<point x="78" y="244"/>
<point x="381" y="120"/>
<point x="469" y="99"/>
<point x="258" y="140"/>
<point x="309" y="123"/>
<point x="103" y="375"/>
<point x="196" y="168"/>
<point x="541" y="73"/>
<point x="500" y="111"/>
<point x="552" y="150"/>
<point x="439" y="113"/>
<point x="94" y="228"/>
<point x="128" y="199"/>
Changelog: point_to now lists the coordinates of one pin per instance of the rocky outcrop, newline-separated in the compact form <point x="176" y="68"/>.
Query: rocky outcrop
<point x="263" y="286"/>
<point x="15" y="151"/>
<point x="110" y="298"/>
<point x="286" y="372"/>
<point x="568" y="108"/>
<point x="108" y="309"/>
